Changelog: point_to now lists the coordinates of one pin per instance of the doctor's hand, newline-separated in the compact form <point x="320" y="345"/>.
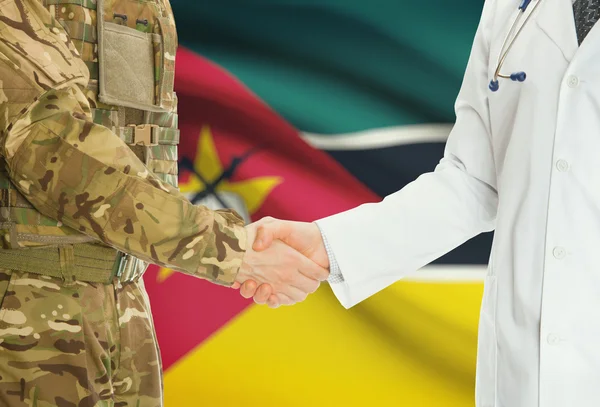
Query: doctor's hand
<point x="287" y="274"/>
<point x="303" y="237"/>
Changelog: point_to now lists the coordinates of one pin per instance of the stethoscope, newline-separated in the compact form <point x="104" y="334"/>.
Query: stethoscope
<point x="507" y="45"/>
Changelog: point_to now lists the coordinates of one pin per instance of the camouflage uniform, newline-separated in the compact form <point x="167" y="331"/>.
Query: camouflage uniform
<point x="88" y="147"/>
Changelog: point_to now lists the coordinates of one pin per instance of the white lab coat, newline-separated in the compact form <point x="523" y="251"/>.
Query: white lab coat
<point x="524" y="161"/>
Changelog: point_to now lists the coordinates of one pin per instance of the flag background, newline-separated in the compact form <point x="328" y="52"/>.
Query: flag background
<point x="326" y="104"/>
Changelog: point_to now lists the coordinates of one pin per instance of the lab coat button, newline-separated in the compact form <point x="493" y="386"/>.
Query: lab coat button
<point x="553" y="339"/>
<point x="559" y="252"/>
<point x="572" y="81"/>
<point x="562" y="165"/>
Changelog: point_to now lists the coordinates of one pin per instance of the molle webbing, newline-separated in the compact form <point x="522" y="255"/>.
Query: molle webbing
<point x="154" y="132"/>
<point x="166" y="131"/>
<point x="91" y="4"/>
<point x="163" y="135"/>
<point x="15" y="208"/>
<point x="80" y="31"/>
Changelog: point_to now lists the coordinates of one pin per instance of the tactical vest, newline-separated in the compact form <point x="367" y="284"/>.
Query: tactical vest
<point x="129" y="48"/>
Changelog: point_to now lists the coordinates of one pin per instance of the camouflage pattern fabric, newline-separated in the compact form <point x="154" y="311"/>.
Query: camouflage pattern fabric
<point x="80" y="173"/>
<point x="83" y="345"/>
<point x="67" y="177"/>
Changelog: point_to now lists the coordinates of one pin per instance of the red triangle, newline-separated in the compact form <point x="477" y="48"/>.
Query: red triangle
<point x="187" y="310"/>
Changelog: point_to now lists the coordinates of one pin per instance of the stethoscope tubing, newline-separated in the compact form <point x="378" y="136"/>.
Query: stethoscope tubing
<point x="507" y="45"/>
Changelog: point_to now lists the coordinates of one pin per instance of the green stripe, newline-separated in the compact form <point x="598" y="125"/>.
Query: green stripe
<point x="344" y="65"/>
<point x="90" y="4"/>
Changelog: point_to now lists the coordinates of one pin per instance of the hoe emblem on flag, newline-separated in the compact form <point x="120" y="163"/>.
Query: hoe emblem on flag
<point x="207" y="181"/>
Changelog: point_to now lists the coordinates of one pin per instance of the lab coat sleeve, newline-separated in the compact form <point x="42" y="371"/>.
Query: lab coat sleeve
<point x="377" y="244"/>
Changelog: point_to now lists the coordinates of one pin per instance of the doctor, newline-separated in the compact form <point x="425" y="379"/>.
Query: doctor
<point x="524" y="159"/>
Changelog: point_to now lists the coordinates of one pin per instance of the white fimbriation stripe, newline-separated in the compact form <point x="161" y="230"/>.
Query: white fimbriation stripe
<point x="450" y="274"/>
<point x="396" y="136"/>
<point x="381" y="137"/>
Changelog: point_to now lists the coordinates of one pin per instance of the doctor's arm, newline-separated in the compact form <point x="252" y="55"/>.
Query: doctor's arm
<point x="377" y="244"/>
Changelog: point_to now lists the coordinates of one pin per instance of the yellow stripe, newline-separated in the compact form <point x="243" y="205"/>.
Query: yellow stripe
<point x="413" y="344"/>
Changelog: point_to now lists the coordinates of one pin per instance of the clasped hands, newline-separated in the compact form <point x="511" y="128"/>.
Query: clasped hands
<point x="285" y="262"/>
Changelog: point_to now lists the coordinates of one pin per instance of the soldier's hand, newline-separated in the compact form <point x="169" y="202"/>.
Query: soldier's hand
<point x="302" y="236"/>
<point x="286" y="274"/>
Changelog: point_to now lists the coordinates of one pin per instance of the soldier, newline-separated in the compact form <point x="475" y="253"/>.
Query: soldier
<point x="88" y="197"/>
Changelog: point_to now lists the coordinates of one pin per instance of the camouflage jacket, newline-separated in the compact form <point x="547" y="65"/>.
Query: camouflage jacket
<point x="79" y="173"/>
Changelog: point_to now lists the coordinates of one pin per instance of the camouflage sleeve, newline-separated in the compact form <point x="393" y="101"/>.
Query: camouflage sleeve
<point x="81" y="173"/>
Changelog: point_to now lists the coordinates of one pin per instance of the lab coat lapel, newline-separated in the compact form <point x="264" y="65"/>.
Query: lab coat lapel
<point x="555" y="18"/>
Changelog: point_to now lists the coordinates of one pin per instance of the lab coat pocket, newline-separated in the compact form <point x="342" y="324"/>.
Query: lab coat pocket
<point x="485" y="384"/>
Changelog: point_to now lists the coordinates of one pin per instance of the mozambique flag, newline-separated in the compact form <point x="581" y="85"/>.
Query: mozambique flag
<point x="300" y="109"/>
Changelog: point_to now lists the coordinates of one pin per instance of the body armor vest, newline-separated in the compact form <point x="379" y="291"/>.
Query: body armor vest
<point x="129" y="48"/>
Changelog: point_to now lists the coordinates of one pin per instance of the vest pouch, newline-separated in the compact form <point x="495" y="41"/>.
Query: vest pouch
<point x="126" y="58"/>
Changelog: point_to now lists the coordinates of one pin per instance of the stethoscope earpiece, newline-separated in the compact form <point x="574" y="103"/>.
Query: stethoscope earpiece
<point x="518" y="76"/>
<point x="494" y="86"/>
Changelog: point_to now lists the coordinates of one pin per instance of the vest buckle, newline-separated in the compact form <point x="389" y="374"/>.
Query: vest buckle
<point x="144" y="134"/>
<point x="127" y="268"/>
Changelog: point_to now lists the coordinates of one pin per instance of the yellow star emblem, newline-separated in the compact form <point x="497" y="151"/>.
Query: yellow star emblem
<point x="252" y="191"/>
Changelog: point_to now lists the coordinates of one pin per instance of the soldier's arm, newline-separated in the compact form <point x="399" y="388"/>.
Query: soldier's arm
<point x="81" y="173"/>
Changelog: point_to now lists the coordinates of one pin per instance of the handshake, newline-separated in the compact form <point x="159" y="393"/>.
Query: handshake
<point x="284" y="262"/>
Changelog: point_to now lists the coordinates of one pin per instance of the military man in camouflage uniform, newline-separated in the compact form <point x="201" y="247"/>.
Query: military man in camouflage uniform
<point x="88" y="197"/>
